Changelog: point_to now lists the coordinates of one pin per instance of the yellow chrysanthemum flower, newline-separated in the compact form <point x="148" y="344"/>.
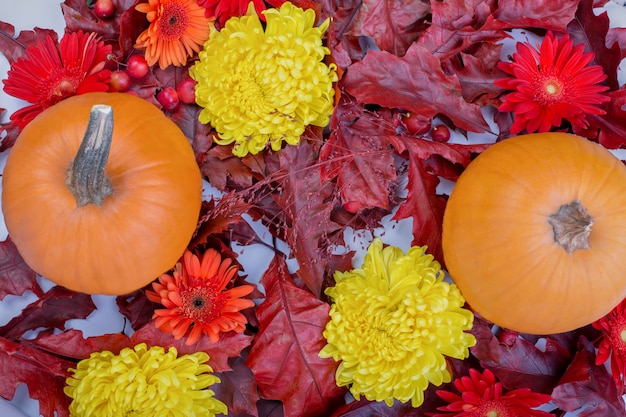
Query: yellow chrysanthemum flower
<point x="143" y="382"/>
<point x="392" y="322"/>
<point x="259" y="86"/>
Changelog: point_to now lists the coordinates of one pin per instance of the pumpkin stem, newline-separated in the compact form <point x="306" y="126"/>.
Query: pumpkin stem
<point x="86" y="179"/>
<point x="571" y="224"/>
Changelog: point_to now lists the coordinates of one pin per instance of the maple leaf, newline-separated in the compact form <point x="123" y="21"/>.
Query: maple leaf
<point x="588" y="388"/>
<point x="229" y="345"/>
<point x="416" y="83"/>
<point x="357" y="153"/>
<point x="307" y="201"/>
<point x="51" y="310"/>
<point x="72" y="343"/>
<point x="44" y="375"/>
<point x="238" y="389"/>
<point x="284" y="355"/>
<point x="15" y="276"/>
<point x="518" y="363"/>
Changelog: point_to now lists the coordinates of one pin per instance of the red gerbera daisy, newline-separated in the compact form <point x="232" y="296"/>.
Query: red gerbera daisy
<point x="195" y="297"/>
<point x="482" y="396"/>
<point x="551" y="84"/>
<point x="222" y="10"/>
<point x="613" y="343"/>
<point x="50" y="73"/>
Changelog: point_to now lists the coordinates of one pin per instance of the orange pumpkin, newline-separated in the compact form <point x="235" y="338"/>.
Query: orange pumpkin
<point x="534" y="233"/>
<point x="110" y="220"/>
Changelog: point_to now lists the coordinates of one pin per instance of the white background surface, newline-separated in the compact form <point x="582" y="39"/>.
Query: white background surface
<point x="27" y="14"/>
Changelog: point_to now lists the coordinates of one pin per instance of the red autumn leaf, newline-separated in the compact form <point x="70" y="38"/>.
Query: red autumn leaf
<point x="591" y="31"/>
<point x="15" y="276"/>
<point x="416" y="83"/>
<point x="459" y="25"/>
<point x="44" y="375"/>
<point x="608" y="129"/>
<point x="136" y="308"/>
<point x="422" y="203"/>
<point x="588" y="388"/>
<point x="518" y="363"/>
<point x="131" y="23"/>
<point x="307" y="201"/>
<point x="230" y="345"/>
<point x="238" y="389"/>
<point x="221" y="167"/>
<point x="390" y="23"/>
<point x="78" y="16"/>
<point x="358" y="155"/>
<point x="477" y="72"/>
<point x="15" y="47"/>
<point x="72" y="343"/>
<point x="541" y="14"/>
<point x="284" y="356"/>
<point x="50" y="311"/>
<point x="8" y="133"/>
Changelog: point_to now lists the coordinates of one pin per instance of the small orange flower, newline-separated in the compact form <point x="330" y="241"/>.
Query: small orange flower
<point x="50" y="73"/>
<point x="178" y="28"/>
<point x="551" y="84"/>
<point x="613" y="343"/>
<point x="195" y="297"/>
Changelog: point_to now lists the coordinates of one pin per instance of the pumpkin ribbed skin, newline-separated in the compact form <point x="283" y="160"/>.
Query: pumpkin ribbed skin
<point x="139" y="231"/>
<point x="499" y="247"/>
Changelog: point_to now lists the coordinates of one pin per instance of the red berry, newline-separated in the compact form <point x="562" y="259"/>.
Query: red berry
<point x="186" y="90"/>
<point x="104" y="9"/>
<point x="416" y="124"/>
<point x="137" y="66"/>
<point x="120" y="81"/>
<point x="440" y="133"/>
<point x="168" y="97"/>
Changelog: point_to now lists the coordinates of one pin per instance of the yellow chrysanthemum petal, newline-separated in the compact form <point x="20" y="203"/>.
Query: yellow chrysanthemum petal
<point x="258" y="87"/>
<point x="392" y="322"/>
<point x="142" y="382"/>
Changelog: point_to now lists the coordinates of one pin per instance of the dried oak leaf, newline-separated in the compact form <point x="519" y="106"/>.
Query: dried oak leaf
<point x="238" y="389"/>
<point x="50" y="311"/>
<point x="229" y="345"/>
<point x="43" y="373"/>
<point x="136" y="308"/>
<point x="516" y="362"/>
<point x="414" y="82"/>
<point x="307" y="202"/>
<point x="588" y="388"/>
<point x="15" y="47"/>
<point x="284" y="355"/>
<point x="539" y="14"/>
<point x="15" y="276"/>
<point x="591" y="31"/>
<point x="357" y="154"/>
<point x="608" y="129"/>
<point x="423" y="204"/>
<point x="72" y="343"/>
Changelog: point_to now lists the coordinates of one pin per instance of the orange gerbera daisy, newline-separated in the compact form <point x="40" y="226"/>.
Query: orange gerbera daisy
<point x="178" y="28"/>
<point x="222" y="10"/>
<point x="613" y="343"/>
<point x="195" y="297"/>
<point x="551" y="84"/>
<point x="50" y="73"/>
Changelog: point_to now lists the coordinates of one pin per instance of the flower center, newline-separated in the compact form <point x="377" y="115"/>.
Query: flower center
<point x="173" y="20"/>
<point x="549" y="88"/>
<point x="202" y="301"/>
<point x="491" y="408"/>
<point x="60" y="83"/>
